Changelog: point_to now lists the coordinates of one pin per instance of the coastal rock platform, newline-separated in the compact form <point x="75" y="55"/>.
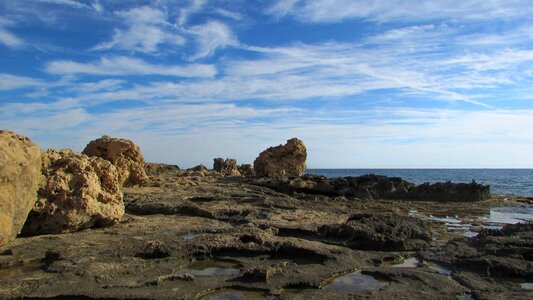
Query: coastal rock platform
<point x="189" y="235"/>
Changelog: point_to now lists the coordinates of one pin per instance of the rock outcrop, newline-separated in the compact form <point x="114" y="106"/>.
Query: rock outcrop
<point x="155" y="169"/>
<point x="282" y="161"/>
<point x="448" y="191"/>
<point x="124" y="154"/>
<point x="226" y="167"/>
<point x="78" y="192"/>
<point x="20" y="175"/>
<point x="377" y="187"/>
<point x="381" y="232"/>
<point x="246" y="170"/>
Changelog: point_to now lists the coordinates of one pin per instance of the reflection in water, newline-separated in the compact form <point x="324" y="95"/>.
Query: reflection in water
<point x="211" y="268"/>
<point x="22" y="270"/>
<point x="355" y="282"/>
<point x="440" y="269"/>
<point x="527" y="286"/>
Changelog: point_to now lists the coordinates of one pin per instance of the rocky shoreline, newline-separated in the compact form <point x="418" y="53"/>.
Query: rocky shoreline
<point x="166" y="233"/>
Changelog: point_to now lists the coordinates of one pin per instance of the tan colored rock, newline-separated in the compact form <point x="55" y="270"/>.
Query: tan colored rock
<point x="284" y="160"/>
<point x="226" y="167"/>
<point x="124" y="154"/>
<point x="20" y="175"/>
<point x="78" y="192"/>
<point x="246" y="170"/>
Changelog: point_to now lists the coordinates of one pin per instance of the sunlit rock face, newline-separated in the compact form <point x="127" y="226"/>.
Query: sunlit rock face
<point x="282" y="161"/>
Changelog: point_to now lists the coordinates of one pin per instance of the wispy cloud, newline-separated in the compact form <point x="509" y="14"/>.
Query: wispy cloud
<point x="125" y="66"/>
<point x="185" y="12"/>
<point x="11" y="82"/>
<point x="146" y="29"/>
<point x="210" y="37"/>
<point x="6" y="37"/>
<point x="400" y="10"/>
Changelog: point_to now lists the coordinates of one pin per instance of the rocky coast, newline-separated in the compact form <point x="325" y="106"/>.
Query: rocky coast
<point x="103" y="224"/>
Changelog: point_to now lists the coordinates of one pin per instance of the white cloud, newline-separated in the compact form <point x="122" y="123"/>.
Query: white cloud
<point x="146" y="29"/>
<point x="6" y="37"/>
<point x="71" y="3"/>
<point x="102" y="85"/>
<point x="129" y="66"/>
<point x="11" y="82"/>
<point x="400" y="10"/>
<point x="210" y="37"/>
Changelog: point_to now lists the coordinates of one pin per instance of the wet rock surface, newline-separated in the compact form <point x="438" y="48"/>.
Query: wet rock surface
<point x="77" y="192"/>
<point x="123" y="154"/>
<point x="20" y="176"/>
<point x="189" y="236"/>
<point x="284" y="160"/>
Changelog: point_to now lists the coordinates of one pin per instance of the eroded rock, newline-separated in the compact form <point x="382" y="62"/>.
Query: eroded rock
<point x="78" y="192"/>
<point x="227" y="167"/>
<point x="20" y="175"/>
<point x="377" y="187"/>
<point x="154" y="169"/>
<point x="283" y="160"/>
<point x="246" y="170"/>
<point x="124" y="154"/>
<point x="380" y="232"/>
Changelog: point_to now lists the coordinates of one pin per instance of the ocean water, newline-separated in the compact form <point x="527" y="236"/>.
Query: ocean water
<point x="501" y="181"/>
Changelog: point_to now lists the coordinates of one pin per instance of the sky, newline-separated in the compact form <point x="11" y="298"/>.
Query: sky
<point x="365" y="84"/>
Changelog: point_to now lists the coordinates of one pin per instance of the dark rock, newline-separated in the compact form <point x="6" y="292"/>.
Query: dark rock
<point x="448" y="191"/>
<point x="377" y="187"/>
<point x="505" y="253"/>
<point x="380" y="232"/>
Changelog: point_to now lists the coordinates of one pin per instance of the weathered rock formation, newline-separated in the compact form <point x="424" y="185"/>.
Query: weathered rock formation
<point x="246" y="170"/>
<point x="226" y="167"/>
<point x="377" y="187"/>
<point x="448" y="191"/>
<point x="381" y="232"/>
<point x="124" y="154"/>
<point x="282" y="161"/>
<point x="20" y="175"/>
<point x="154" y="169"/>
<point x="78" y="192"/>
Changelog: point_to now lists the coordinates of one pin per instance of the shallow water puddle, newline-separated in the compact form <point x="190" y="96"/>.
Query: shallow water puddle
<point x="211" y="268"/>
<point x="497" y="217"/>
<point x="355" y="282"/>
<point x="412" y="262"/>
<point x="528" y="286"/>
<point x="190" y="236"/>
<point x="511" y="214"/>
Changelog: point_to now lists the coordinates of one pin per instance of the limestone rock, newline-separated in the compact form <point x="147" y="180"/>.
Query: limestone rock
<point x="124" y="154"/>
<point x="226" y="167"/>
<point x="154" y="169"/>
<point x="284" y="160"/>
<point x="78" y="192"/>
<point x="20" y="174"/>
<point x="246" y="170"/>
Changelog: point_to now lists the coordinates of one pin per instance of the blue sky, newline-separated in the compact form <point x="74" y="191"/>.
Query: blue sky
<point x="383" y="84"/>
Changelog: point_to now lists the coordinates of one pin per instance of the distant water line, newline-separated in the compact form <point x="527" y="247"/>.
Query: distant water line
<point x="502" y="181"/>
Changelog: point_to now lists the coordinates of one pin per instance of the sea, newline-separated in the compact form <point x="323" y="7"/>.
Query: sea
<point x="502" y="181"/>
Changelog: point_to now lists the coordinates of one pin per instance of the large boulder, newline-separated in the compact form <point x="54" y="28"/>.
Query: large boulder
<point x="246" y="170"/>
<point x="78" y="192"/>
<point x="20" y="175"/>
<point x="282" y="161"/>
<point x="124" y="154"/>
<point x="226" y="167"/>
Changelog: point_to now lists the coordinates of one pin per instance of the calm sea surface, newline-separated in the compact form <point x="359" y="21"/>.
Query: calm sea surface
<point x="501" y="181"/>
